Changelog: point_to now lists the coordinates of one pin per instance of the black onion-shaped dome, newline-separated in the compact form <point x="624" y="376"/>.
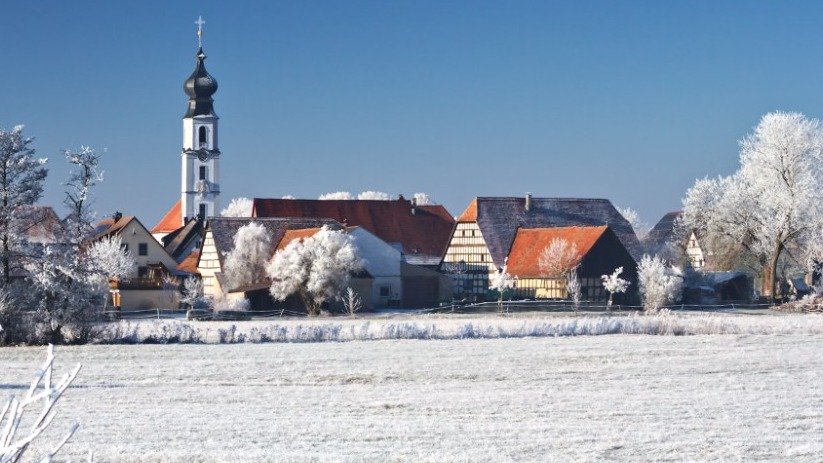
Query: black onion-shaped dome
<point x="200" y="86"/>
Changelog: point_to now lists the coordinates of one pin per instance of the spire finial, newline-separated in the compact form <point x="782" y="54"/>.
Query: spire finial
<point x="200" y="23"/>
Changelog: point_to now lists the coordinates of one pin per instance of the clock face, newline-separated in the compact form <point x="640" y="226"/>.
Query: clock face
<point x="202" y="155"/>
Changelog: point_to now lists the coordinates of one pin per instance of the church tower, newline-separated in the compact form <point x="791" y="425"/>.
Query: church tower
<point x="201" y="155"/>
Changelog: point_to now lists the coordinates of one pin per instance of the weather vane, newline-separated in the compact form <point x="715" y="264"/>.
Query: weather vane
<point x="200" y="23"/>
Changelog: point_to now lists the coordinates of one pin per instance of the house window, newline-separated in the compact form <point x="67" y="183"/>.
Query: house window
<point x="202" y="172"/>
<point x="202" y="137"/>
<point x="143" y="249"/>
<point x="203" y="211"/>
<point x="385" y="291"/>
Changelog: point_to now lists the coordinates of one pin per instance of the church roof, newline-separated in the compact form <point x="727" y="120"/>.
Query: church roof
<point x="499" y="218"/>
<point x="200" y="87"/>
<point x="171" y="221"/>
<point x="420" y="230"/>
<point x="524" y="257"/>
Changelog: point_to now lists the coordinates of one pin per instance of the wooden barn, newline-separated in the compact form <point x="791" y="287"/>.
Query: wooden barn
<point x="486" y="230"/>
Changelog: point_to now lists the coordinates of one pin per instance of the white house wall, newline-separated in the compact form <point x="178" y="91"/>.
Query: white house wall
<point x="382" y="261"/>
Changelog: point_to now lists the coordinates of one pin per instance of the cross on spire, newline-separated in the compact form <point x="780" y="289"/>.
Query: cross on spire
<point x="200" y="23"/>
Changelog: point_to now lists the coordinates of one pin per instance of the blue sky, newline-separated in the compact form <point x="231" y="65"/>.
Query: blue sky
<point x="625" y="100"/>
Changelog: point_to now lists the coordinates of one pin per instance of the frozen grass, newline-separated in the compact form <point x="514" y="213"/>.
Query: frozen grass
<point x="587" y="398"/>
<point x="443" y="327"/>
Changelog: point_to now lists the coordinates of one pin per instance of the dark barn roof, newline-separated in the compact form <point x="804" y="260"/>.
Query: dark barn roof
<point x="500" y="217"/>
<point x="224" y="228"/>
<point x="661" y="233"/>
<point x="420" y="230"/>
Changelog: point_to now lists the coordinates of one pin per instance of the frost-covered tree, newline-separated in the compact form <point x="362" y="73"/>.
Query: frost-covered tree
<point x="558" y="258"/>
<point x="351" y="302"/>
<point x="238" y="207"/>
<point x="641" y="228"/>
<point x="21" y="185"/>
<point x="336" y="195"/>
<point x="317" y="268"/>
<point x="246" y="263"/>
<point x="66" y="288"/>
<point x="502" y="281"/>
<point x="192" y="291"/>
<point x="659" y="283"/>
<point x="288" y="197"/>
<point x="614" y="284"/>
<point x="773" y="203"/>
<point x="422" y="199"/>
<point x="574" y="288"/>
<point x="375" y="195"/>
<point x="110" y="260"/>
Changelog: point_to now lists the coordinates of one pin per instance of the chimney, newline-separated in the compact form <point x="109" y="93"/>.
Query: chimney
<point x="117" y="216"/>
<point x="528" y="201"/>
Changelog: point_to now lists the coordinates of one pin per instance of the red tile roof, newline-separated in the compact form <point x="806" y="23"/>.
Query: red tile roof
<point x="524" y="257"/>
<point x="421" y="230"/>
<point x="171" y="221"/>
<point x="291" y="235"/>
<point x="189" y="264"/>
<point x="470" y="214"/>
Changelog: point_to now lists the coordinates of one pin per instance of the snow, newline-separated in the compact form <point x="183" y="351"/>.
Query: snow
<point x="587" y="398"/>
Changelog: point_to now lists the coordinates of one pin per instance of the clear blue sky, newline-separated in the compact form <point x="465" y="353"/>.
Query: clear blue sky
<point x="625" y="100"/>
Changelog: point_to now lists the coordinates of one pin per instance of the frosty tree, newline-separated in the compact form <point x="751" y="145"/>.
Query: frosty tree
<point x="238" y="207"/>
<point x="336" y="195"/>
<point x="246" y="263"/>
<point x="574" y="288"/>
<point x="422" y="199"/>
<point x="614" y="284"/>
<point x="110" y="260"/>
<point x="501" y="282"/>
<point x="21" y="185"/>
<point x="317" y="269"/>
<point x="773" y="202"/>
<point x="558" y="258"/>
<point x="659" y="283"/>
<point x="375" y="195"/>
<point x="641" y="228"/>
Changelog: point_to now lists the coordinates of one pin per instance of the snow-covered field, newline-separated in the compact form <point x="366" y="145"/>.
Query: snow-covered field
<point x="728" y="397"/>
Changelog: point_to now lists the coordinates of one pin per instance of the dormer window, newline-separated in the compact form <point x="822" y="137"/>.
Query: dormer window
<point x="202" y="137"/>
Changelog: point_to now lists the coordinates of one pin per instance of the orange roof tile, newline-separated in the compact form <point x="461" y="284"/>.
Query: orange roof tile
<point x="524" y="257"/>
<point x="171" y="221"/>
<point x="299" y="234"/>
<point x="470" y="214"/>
<point x="189" y="264"/>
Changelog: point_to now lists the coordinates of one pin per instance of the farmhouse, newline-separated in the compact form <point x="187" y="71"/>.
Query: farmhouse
<point x="486" y="230"/>
<point x="662" y="240"/>
<point x="147" y="288"/>
<point x="599" y="250"/>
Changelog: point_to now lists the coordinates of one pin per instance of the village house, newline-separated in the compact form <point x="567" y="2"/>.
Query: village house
<point x="599" y="250"/>
<point x="486" y="230"/>
<point x="154" y="282"/>
<point x="661" y="240"/>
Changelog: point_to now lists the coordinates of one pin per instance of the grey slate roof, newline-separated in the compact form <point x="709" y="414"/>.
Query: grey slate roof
<point x="500" y="217"/>
<point x="661" y="233"/>
<point x="224" y="228"/>
<point x="180" y="242"/>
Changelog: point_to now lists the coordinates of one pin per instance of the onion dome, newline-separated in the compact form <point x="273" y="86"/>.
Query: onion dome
<point x="200" y="87"/>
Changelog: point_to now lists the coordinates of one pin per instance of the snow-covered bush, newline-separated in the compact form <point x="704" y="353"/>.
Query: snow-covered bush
<point x="336" y="195"/>
<point x="192" y="294"/>
<point x="375" y="195"/>
<point x="13" y="447"/>
<point x="614" y="284"/>
<point x="558" y="258"/>
<point x="238" y="207"/>
<point x="317" y="269"/>
<point x="659" y="283"/>
<point x="231" y="305"/>
<point x="246" y="263"/>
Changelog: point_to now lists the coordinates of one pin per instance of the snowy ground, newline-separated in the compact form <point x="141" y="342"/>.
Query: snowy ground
<point x="586" y="398"/>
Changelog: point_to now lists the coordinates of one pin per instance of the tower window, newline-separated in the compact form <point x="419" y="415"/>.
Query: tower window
<point x="202" y="137"/>
<point x="202" y="172"/>
<point x="203" y="211"/>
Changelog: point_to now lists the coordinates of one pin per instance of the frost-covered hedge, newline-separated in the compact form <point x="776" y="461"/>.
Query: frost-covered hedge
<point x="440" y="328"/>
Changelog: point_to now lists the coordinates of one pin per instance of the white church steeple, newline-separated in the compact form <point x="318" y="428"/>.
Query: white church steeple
<point x="200" y="158"/>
